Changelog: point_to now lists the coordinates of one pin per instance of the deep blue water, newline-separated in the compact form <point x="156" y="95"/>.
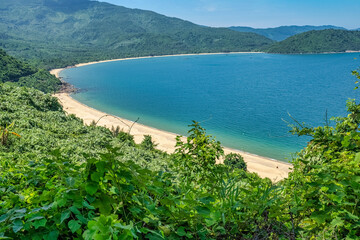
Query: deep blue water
<point x="242" y="99"/>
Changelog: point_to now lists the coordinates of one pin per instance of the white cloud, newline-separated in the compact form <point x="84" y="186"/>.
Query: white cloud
<point x="210" y="8"/>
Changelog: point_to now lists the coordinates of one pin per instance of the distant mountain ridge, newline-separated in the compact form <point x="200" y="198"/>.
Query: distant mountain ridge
<point x="321" y="41"/>
<point x="59" y="33"/>
<point x="283" y="32"/>
<point x="65" y="32"/>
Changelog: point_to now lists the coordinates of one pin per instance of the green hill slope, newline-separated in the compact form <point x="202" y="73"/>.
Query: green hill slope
<point x="11" y="69"/>
<point x="319" y="42"/>
<point x="283" y="32"/>
<point x="60" y="179"/>
<point x="62" y="32"/>
<point x="22" y="74"/>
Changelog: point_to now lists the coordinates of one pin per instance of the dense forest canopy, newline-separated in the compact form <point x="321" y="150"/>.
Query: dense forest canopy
<point x="23" y="74"/>
<point x="12" y="69"/>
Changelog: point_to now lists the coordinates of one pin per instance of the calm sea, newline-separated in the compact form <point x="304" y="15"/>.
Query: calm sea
<point x="242" y="99"/>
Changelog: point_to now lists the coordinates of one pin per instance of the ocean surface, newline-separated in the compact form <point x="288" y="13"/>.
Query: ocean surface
<point x="242" y="99"/>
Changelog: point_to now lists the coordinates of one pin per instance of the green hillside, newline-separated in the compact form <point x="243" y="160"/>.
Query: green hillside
<point x="22" y="74"/>
<point x="11" y="69"/>
<point x="283" y="32"/>
<point x="329" y="40"/>
<point x="60" y="179"/>
<point x="54" y="33"/>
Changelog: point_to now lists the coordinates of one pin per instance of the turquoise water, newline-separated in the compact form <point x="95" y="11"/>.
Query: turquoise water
<point x="242" y="99"/>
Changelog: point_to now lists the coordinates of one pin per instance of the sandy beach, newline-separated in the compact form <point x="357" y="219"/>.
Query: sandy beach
<point x="265" y="167"/>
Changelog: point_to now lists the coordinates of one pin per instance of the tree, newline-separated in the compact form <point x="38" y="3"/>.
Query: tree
<point x="147" y="143"/>
<point x="234" y="160"/>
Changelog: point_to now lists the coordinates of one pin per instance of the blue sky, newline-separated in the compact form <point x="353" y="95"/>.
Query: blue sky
<point x="255" y="13"/>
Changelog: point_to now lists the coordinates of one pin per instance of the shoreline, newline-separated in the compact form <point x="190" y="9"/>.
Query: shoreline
<point x="265" y="167"/>
<point x="315" y="53"/>
<point x="146" y="57"/>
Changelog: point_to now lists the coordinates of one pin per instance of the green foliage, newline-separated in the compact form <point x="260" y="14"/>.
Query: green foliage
<point x="234" y="160"/>
<point x="326" y="175"/>
<point x="147" y="143"/>
<point x="115" y="131"/>
<point x="62" y="33"/>
<point x="41" y="80"/>
<point x="126" y="137"/>
<point x="5" y="132"/>
<point x="329" y="40"/>
<point x="65" y="180"/>
<point x="12" y="69"/>
<point x="22" y="74"/>
<point x="196" y="158"/>
<point x="357" y="75"/>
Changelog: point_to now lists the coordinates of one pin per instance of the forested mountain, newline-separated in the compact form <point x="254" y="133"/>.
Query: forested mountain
<point x="23" y="74"/>
<point x="283" y="32"/>
<point x="329" y="40"/>
<point x="63" y="32"/>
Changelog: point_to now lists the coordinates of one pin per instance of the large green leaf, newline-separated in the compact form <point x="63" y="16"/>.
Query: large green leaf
<point x="74" y="225"/>
<point x="17" y="225"/>
<point x="65" y="215"/>
<point x="181" y="232"/>
<point x="91" y="188"/>
<point x="39" y="223"/>
<point x="53" y="235"/>
<point x="203" y="210"/>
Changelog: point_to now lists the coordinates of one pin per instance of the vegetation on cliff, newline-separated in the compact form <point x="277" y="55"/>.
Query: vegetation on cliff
<point x="23" y="74"/>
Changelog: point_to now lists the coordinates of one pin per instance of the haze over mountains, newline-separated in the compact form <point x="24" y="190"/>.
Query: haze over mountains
<point x="283" y="32"/>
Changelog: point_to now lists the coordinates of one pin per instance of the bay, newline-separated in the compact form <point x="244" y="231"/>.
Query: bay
<point x="242" y="99"/>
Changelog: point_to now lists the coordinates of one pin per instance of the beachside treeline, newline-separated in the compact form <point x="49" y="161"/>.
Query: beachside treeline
<point x="60" y="179"/>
